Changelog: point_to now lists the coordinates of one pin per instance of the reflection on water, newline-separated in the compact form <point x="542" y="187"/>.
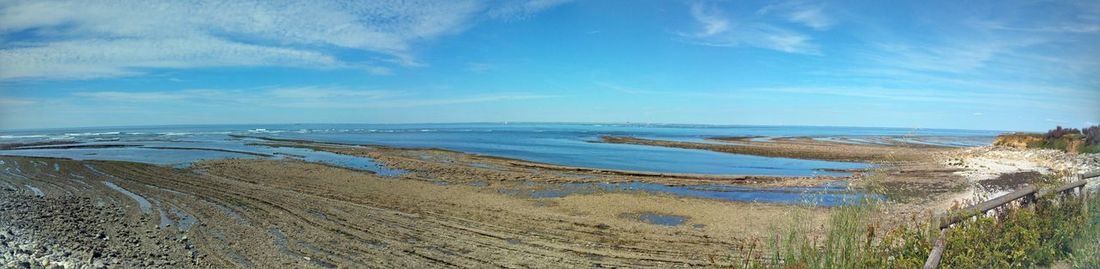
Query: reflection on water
<point x="833" y="194"/>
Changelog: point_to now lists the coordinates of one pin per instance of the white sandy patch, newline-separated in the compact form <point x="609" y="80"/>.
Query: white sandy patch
<point x="985" y="163"/>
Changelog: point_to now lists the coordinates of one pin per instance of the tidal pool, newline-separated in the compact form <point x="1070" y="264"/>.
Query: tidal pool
<point x="658" y="219"/>
<point x="829" y="195"/>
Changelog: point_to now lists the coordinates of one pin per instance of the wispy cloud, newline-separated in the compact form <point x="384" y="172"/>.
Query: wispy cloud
<point x="329" y="92"/>
<point x="460" y="100"/>
<point x="513" y="10"/>
<point x="808" y="14"/>
<point x="812" y="17"/>
<point x="134" y="96"/>
<point x="931" y="95"/>
<point x="120" y="57"/>
<point x="320" y="97"/>
<point x="67" y="40"/>
<point x="715" y="28"/>
<point x="10" y="102"/>
<point x="479" y="68"/>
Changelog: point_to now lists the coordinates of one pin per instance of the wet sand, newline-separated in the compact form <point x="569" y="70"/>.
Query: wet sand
<point x="798" y="148"/>
<point x="449" y="209"/>
<point x="916" y="174"/>
<point x="267" y="213"/>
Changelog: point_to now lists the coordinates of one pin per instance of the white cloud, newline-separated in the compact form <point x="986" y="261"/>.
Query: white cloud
<point x="81" y="39"/>
<point x="717" y="29"/>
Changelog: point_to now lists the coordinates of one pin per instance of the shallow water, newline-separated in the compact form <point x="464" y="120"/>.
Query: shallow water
<point x="340" y="160"/>
<point x="562" y="144"/>
<point x="185" y="220"/>
<point x="659" y="219"/>
<point x="37" y="192"/>
<point x="146" y="207"/>
<point x="829" y="195"/>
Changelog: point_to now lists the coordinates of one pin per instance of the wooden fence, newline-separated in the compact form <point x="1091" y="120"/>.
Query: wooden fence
<point x="1025" y="195"/>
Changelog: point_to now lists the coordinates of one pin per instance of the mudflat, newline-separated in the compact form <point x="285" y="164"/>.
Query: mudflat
<point x="448" y="209"/>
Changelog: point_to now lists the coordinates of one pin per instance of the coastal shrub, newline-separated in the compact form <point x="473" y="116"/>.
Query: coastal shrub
<point x="1059" y="132"/>
<point x="1021" y="237"/>
<point x="1092" y="135"/>
<point x="1064" y="139"/>
<point x="1049" y="230"/>
<point x="1091" y="149"/>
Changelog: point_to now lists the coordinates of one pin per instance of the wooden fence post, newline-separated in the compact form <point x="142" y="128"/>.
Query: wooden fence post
<point x="1025" y="196"/>
<point x="1085" y="201"/>
<point x="937" y="251"/>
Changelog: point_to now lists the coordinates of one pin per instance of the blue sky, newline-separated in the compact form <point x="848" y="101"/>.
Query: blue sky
<point x="1000" y="65"/>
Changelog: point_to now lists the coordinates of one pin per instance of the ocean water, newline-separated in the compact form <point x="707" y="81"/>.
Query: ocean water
<point x="562" y="144"/>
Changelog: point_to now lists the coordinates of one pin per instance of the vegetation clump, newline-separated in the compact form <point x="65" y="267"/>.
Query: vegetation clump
<point x="1064" y="139"/>
<point x="1050" y="230"/>
<point x="1092" y="138"/>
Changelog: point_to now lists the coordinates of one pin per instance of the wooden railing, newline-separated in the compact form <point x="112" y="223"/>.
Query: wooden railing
<point x="1026" y="195"/>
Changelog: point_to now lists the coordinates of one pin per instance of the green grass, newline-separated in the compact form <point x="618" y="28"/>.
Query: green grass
<point x="1091" y="149"/>
<point x="1085" y="248"/>
<point x="1052" y="229"/>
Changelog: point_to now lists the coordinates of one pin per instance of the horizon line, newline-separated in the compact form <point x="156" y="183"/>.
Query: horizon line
<point x="498" y="122"/>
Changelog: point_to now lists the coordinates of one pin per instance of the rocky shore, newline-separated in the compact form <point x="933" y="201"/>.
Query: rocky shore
<point x="992" y="164"/>
<point x="75" y="232"/>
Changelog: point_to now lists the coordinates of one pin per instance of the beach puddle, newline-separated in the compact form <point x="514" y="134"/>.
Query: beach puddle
<point x="657" y="219"/>
<point x="146" y="207"/>
<point x="485" y="166"/>
<point x="231" y="213"/>
<point x="339" y="160"/>
<point x="281" y="241"/>
<point x="832" y="194"/>
<point x="37" y="192"/>
<point x="576" y="175"/>
<point x="165" y="221"/>
<point x="186" y="221"/>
